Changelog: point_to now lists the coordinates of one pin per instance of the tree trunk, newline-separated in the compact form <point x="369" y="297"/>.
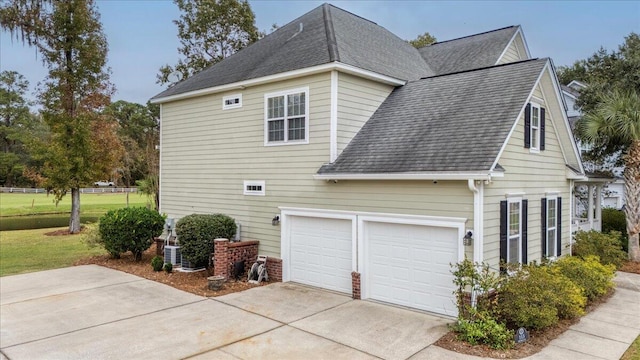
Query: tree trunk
<point x="74" y="221"/>
<point x="632" y="198"/>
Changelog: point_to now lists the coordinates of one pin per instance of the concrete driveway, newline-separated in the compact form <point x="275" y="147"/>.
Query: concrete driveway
<point x="91" y="312"/>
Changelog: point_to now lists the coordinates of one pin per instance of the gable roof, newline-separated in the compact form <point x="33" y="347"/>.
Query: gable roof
<point x="469" y="52"/>
<point x="449" y="123"/>
<point x="325" y="34"/>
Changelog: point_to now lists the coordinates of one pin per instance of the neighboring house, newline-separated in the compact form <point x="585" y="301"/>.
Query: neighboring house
<point x="362" y="163"/>
<point x="610" y="190"/>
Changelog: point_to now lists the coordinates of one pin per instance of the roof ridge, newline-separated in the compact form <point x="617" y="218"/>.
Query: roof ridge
<point x="332" y="44"/>
<point x="468" y="36"/>
<point x="483" y="68"/>
<point x="349" y="12"/>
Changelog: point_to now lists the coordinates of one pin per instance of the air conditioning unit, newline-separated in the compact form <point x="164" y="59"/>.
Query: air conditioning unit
<point x="188" y="266"/>
<point x="172" y="255"/>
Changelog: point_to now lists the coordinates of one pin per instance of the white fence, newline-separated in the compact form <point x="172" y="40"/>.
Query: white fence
<point x="100" y="190"/>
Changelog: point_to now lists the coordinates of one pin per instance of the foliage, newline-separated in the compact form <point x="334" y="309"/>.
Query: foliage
<point x="589" y="274"/>
<point x="157" y="263"/>
<point x="82" y="146"/>
<point x="168" y="268"/>
<point x="130" y="229"/>
<point x="150" y="186"/>
<point x="615" y="220"/>
<point x="210" y="31"/>
<point x="536" y="298"/>
<point x="91" y="236"/>
<point x="26" y="251"/>
<point x="484" y="329"/>
<point x="478" y="278"/>
<point x="423" y="40"/>
<point x="196" y="233"/>
<point x="606" y="247"/>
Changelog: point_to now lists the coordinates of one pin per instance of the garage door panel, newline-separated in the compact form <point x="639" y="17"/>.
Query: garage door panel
<point x="415" y="261"/>
<point x="321" y="252"/>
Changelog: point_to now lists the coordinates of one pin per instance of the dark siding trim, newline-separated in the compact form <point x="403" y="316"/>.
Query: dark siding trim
<point x="527" y="126"/>
<point x="543" y="221"/>
<point x="523" y="220"/>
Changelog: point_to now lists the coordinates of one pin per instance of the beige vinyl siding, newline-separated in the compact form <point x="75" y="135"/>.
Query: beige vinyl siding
<point x="207" y="153"/>
<point x="358" y="99"/>
<point x="515" y="51"/>
<point x="532" y="174"/>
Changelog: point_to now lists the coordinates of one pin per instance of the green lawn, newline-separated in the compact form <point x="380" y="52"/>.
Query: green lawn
<point x="23" y="251"/>
<point x="12" y="204"/>
<point x="633" y="353"/>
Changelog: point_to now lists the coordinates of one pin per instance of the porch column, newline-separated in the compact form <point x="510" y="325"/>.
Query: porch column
<point x="598" y="208"/>
<point x="590" y="207"/>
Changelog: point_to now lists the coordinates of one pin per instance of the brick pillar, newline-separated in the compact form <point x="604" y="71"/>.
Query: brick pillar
<point x="274" y="269"/>
<point x="355" y="285"/>
<point x="221" y="257"/>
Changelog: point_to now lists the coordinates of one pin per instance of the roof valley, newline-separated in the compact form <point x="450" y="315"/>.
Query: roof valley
<point x="332" y="44"/>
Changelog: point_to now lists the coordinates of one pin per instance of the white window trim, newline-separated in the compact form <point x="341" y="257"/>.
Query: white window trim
<point x="534" y="147"/>
<point x="232" y="106"/>
<point x="511" y="200"/>
<point x="260" y="183"/>
<point x="551" y="254"/>
<point x="284" y="93"/>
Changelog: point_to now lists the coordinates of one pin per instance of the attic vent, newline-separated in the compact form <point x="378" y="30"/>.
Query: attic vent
<point x="232" y="101"/>
<point x="298" y="32"/>
<point x="254" y="187"/>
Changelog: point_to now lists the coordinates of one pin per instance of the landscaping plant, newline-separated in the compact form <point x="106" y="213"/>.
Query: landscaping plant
<point x="607" y="247"/>
<point x="615" y="220"/>
<point x="196" y="233"/>
<point x="168" y="268"/>
<point x="594" y="278"/>
<point x="130" y="229"/>
<point x="157" y="263"/>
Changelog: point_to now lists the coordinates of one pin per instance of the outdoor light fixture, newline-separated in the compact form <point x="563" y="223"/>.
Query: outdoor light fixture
<point x="275" y="221"/>
<point x="467" y="240"/>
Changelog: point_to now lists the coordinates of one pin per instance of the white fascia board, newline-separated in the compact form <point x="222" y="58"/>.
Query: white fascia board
<point x="241" y="85"/>
<point x="504" y="51"/>
<point x="524" y="41"/>
<point x="406" y="176"/>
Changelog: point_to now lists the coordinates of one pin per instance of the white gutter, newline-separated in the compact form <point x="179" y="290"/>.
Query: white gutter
<point x="462" y="175"/>
<point x="241" y="85"/>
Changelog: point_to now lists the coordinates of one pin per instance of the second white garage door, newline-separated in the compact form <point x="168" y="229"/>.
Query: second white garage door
<point x="321" y="252"/>
<point x="409" y="265"/>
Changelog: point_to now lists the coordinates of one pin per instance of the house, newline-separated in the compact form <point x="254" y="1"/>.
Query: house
<point x="610" y="190"/>
<point x="366" y="166"/>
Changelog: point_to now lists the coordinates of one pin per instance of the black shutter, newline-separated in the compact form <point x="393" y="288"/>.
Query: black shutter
<point x="559" y="228"/>
<point x="523" y="220"/>
<point x="541" y="128"/>
<point x="503" y="234"/>
<point x="543" y="217"/>
<point x="527" y="126"/>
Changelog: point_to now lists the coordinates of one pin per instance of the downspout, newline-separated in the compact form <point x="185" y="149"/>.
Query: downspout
<point x="572" y="201"/>
<point x="478" y="211"/>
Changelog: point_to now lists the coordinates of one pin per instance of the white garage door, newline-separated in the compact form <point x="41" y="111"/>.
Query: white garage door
<point x="321" y="252"/>
<point x="409" y="265"/>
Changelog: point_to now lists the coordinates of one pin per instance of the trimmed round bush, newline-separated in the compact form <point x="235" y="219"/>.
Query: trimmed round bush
<point x="607" y="247"/>
<point x="196" y="233"/>
<point x="168" y="268"/>
<point x="157" y="263"/>
<point x="594" y="278"/>
<point x="536" y="298"/>
<point x="130" y="229"/>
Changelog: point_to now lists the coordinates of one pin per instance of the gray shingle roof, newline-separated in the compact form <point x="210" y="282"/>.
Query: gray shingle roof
<point x="455" y="122"/>
<point x="470" y="52"/>
<point x="329" y="34"/>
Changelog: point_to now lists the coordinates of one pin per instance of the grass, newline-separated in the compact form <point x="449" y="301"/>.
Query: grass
<point x="633" y="352"/>
<point x="23" y="251"/>
<point x="12" y="204"/>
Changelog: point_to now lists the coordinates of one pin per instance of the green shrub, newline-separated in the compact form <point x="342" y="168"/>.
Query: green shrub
<point x="168" y="268"/>
<point x="196" y="233"/>
<point x="130" y="229"/>
<point x="91" y="235"/>
<point x="594" y="278"/>
<point x="615" y="220"/>
<point x="157" y="263"/>
<point x="470" y="276"/>
<point x="536" y="298"/>
<point x="606" y="247"/>
<point x="484" y="329"/>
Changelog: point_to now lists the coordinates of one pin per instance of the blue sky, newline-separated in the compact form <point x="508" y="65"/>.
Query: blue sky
<point x="142" y="36"/>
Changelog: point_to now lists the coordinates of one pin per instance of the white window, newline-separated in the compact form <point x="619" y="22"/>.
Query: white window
<point x="254" y="187"/>
<point x="535" y="127"/>
<point x="232" y="102"/>
<point x="287" y="117"/>
<point x="552" y="226"/>
<point x="514" y="230"/>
